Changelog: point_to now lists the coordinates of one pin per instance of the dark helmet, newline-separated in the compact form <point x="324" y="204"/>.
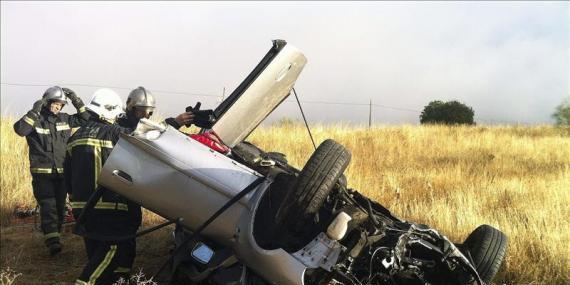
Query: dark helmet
<point x="55" y="93"/>
<point x="140" y="97"/>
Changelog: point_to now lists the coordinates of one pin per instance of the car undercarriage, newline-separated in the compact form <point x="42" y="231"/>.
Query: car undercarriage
<point x="246" y="216"/>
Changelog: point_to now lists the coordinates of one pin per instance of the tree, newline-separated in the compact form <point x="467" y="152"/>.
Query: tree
<point x="562" y="113"/>
<point x="451" y="112"/>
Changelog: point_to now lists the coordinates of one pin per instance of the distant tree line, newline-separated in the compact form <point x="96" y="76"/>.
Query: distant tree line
<point x="562" y="113"/>
<point x="449" y="113"/>
<point x="454" y="112"/>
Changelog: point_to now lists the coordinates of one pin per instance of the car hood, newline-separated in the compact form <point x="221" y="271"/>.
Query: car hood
<point x="268" y="85"/>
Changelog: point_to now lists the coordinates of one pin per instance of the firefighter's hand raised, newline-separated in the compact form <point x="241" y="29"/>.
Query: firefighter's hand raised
<point x="185" y="119"/>
<point x="38" y="105"/>
<point x="75" y="100"/>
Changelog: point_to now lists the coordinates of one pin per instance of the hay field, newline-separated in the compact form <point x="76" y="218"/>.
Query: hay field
<point x="452" y="178"/>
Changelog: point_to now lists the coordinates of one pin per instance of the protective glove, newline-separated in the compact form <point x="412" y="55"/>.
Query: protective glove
<point x="201" y="118"/>
<point x="38" y="105"/>
<point x="75" y="100"/>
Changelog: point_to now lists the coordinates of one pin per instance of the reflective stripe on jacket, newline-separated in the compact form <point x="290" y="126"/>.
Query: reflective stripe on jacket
<point x="87" y="151"/>
<point x="47" y="136"/>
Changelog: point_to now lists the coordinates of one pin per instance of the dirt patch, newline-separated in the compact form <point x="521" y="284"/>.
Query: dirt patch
<point x="22" y="250"/>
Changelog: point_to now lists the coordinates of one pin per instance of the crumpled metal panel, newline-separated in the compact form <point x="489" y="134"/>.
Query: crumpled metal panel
<point x="321" y="252"/>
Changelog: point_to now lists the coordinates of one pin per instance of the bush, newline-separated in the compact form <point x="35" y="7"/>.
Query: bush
<point x="562" y="113"/>
<point x="451" y="112"/>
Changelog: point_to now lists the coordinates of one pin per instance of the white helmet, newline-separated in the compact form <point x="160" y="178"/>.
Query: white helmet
<point x="107" y="104"/>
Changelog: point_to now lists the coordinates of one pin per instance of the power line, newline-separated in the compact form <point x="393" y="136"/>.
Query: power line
<point x="479" y="118"/>
<point x="329" y="103"/>
<point x="396" y="108"/>
<point x="355" y="104"/>
<point x="217" y="96"/>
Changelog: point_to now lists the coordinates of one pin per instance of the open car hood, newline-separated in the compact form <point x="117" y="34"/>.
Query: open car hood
<point x="259" y="94"/>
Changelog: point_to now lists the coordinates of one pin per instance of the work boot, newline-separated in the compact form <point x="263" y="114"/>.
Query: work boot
<point x="53" y="245"/>
<point x="54" y="248"/>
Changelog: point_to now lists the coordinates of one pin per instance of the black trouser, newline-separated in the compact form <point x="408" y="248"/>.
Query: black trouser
<point x="50" y="193"/>
<point x="108" y="261"/>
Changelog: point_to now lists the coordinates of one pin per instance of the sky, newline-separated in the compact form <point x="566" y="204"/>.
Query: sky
<point x="509" y="61"/>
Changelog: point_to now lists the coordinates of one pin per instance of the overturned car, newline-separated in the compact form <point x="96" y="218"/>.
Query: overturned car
<point x="245" y="216"/>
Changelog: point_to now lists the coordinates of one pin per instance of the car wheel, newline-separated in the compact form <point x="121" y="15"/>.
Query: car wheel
<point x="315" y="182"/>
<point x="487" y="247"/>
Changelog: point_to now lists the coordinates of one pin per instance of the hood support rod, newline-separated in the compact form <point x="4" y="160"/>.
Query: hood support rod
<point x="304" y="119"/>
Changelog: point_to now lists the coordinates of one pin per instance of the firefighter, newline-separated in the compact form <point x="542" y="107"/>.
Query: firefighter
<point x="141" y="104"/>
<point x="113" y="216"/>
<point x="47" y="130"/>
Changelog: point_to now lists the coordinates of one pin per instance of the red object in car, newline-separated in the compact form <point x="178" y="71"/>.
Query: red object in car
<point x="211" y="140"/>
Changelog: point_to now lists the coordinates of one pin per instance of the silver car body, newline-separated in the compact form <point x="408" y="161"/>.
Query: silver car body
<point x="261" y="97"/>
<point x="175" y="176"/>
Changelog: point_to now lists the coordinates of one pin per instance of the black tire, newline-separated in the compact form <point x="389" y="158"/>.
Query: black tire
<point x="487" y="247"/>
<point x="315" y="182"/>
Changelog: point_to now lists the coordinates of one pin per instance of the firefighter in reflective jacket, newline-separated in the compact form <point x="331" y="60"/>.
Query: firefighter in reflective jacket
<point x="113" y="216"/>
<point x="47" y="130"/>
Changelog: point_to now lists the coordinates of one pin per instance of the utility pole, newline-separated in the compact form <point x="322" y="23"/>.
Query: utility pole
<point x="223" y="94"/>
<point x="370" y="114"/>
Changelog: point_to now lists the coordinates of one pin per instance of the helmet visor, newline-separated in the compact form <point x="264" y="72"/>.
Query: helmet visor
<point x="141" y="112"/>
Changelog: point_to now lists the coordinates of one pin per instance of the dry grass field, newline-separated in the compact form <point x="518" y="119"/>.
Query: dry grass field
<point x="453" y="178"/>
